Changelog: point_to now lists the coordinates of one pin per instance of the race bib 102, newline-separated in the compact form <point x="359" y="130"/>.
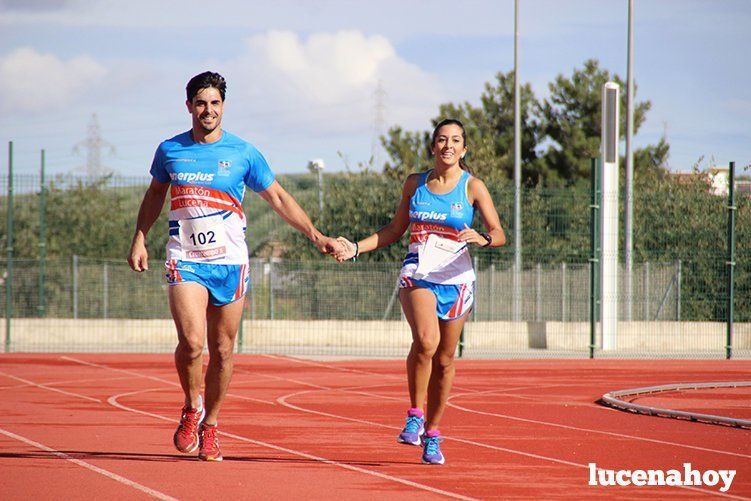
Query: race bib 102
<point x="203" y="238"/>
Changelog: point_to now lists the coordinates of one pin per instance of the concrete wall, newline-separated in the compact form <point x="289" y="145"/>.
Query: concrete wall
<point x="372" y="337"/>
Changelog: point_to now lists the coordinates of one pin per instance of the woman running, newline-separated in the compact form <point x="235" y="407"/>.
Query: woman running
<point x="437" y="277"/>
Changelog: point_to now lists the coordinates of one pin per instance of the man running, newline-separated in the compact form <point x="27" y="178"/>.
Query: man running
<point x="206" y="170"/>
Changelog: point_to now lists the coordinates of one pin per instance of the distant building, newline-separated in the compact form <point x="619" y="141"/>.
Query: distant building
<point x="717" y="179"/>
<point x="683" y="177"/>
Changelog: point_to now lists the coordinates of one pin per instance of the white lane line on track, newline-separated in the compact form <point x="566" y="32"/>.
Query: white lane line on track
<point x="113" y="400"/>
<point x="49" y="388"/>
<point x="315" y="363"/>
<point x="62" y="382"/>
<point x="283" y="401"/>
<point x="113" y="476"/>
<point x="470" y="442"/>
<point x="557" y="425"/>
<point x="601" y="432"/>
<point x="352" y="390"/>
<point x="153" y="378"/>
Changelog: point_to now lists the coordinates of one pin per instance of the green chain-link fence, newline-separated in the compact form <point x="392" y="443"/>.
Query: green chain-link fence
<point x="76" y="293"/>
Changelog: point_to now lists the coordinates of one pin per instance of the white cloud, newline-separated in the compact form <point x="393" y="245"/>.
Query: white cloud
<point x="329" y="79"/>
<point x="37" y="82"/>
<point x="324" y="67"/>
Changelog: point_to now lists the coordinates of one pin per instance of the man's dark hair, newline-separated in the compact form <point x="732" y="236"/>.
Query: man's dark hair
<point x="204" y="81"/>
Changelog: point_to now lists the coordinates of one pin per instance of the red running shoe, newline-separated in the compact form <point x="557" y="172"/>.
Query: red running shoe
<point x="186" y="436"/>
<point x="209" y="450"/>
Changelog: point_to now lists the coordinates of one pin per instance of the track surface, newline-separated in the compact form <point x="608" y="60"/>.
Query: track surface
<point x="95" y="426"/>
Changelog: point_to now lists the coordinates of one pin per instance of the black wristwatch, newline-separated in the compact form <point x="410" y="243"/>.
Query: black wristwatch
<point x="487" y="237"/>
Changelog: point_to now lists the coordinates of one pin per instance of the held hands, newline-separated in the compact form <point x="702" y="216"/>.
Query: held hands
<point x="347" y="252"/>
<point x="329" y="245"/>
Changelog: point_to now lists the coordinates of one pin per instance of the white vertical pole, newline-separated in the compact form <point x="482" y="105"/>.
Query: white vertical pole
<point x="609" y="215"/>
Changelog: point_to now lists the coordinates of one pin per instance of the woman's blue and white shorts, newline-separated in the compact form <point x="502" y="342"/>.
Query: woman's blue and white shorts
<point x="452" y="300"/>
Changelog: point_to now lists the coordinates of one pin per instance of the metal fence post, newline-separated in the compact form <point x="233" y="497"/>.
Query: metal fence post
<point x="241" y="331"/>
<point x="75" y="286"/>
<point x="594" y="259"/>
<point x="647" y="292"/>
<point x="678" y="277"/>
<point x="538" y="292"/>
<point x="271" y="289"/>
<point x="42" y="239"/>
<point x="730" y="261"/>
<point x="251" y="291"/>
<point x="563" y="292"/>
<point x="9" y="250"/>
<point x="105" y="292"/>
<point x="474" y="307"/>
<point x="492" y="293"/>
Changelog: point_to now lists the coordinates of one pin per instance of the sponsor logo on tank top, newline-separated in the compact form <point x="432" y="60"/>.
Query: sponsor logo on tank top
<point x="428" y="215"/>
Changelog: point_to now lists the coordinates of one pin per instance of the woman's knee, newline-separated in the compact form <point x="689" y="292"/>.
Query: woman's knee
<point x="425" y="344"/>
<point x="443" y="361"/>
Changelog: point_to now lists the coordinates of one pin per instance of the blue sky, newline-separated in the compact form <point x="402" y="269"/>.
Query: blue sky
<point x="302" y="74"/>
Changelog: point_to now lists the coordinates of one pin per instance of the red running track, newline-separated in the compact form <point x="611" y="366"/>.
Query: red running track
<point x="94" y="426"/>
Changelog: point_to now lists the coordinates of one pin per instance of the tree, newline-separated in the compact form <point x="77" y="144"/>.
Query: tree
<point x="409" y="152"/>
<point x="572" y="121"/>
<point x="650" y="163"/>
<point x="490" y="136"/>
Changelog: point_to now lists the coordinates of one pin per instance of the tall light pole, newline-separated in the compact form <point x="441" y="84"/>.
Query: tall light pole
<point x="628" y="230"/>
<point x="517" y="300"/>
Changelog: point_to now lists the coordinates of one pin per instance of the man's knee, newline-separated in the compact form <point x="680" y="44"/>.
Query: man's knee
<point x="224" y="352"/>
<point x="222" y="348"/>
<point x="190" y="347"/>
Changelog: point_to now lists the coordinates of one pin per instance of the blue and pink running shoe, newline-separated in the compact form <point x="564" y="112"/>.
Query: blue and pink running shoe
<point x="431" y="453"/>
<point x="413" y="429"/>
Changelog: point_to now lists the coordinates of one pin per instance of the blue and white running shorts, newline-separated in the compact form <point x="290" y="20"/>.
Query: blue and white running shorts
<point x="452" y="300"/>
<point x="226" y="283"/>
